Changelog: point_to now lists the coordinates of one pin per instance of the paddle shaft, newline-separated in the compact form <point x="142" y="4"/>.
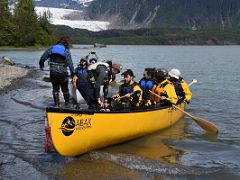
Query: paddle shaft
<point x="192" y="82"/>
<point x="120" y="97"/>
<point x="183" y="111"/>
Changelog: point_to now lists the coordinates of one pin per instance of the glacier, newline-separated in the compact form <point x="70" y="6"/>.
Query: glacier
<point x="58" y="18"/>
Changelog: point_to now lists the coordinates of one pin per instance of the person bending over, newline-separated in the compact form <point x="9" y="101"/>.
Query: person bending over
<point x="89" y="83"/>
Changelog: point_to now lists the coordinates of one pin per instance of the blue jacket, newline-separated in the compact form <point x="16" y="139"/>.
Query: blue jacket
<point x="146" y="85"/>
<point x="60" y="50"/>
<point x="80" y="70"/>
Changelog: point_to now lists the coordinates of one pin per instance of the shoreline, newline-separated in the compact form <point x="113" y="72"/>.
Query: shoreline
<point x="89" y="46"/>
<point x="22" y="48"/>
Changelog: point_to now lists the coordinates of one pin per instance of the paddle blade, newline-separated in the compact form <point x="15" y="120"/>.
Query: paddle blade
<point x="206" y="125"/>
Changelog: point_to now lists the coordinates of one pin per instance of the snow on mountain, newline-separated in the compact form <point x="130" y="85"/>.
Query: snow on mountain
<point x="66" y="4"/>
<point x="59" y="14"/>
<point x="84" y="2"/>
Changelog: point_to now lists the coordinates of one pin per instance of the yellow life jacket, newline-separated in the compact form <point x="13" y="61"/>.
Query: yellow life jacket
<point x="186" y="90"/>
<point x="133" y="88"/>
<point x="158" y="89"/>
<point x="165" y="88"/>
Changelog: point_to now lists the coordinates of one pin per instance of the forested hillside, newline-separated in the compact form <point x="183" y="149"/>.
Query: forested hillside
<point x="23" y="27"/>
<point x="153" y="36"/>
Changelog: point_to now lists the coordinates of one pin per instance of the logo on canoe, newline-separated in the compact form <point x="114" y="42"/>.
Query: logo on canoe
<point x="68" y="126"/>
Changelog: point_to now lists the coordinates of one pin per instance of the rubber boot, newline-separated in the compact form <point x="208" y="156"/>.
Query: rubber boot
<point x="56" y="98"/>
<point x="66" y="98"/>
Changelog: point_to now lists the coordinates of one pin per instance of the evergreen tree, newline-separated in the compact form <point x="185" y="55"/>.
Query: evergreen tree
<point x="26" y="22"/>
<point x="45" y="34"/>
<point x="23" y="27"/>
<point x="6" y="25"/>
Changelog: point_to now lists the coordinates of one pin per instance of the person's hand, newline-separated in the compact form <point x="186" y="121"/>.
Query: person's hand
<point x="113" y="83"/>
<point x="100" y="103"/>
<point x="106" y="104"/>
<point x="74" y="81"/>
<point x="163" y="97"/>
<point x="128" y="95"/>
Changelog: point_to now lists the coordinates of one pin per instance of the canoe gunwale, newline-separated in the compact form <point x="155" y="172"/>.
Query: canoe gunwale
<point x="90" y="111"/>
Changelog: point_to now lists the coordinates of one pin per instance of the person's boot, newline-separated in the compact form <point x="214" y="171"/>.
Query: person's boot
<point x="66" y="98"/>
<point x="56" y="99"/>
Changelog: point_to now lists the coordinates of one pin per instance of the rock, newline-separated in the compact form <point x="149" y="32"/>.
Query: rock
<point x="6" y="61"/>
<point x="10" y="74"/>
<point x="99" y="45"/>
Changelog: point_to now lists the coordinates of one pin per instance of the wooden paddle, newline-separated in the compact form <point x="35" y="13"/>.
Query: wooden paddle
<point x="203" y="123"/>
<point x="206" y="125"/>
<point x="116" y="99"/>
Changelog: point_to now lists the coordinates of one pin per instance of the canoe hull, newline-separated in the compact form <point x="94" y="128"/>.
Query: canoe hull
<point x="77" y="132"/>
<point x="75" y="94"/>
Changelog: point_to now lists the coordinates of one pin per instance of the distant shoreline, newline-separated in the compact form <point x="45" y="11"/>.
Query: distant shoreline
<point x="88" y="46"/>
<point x="6" y="48"/>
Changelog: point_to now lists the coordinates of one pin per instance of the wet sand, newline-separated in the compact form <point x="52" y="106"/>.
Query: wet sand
<point x="10" y="77"/>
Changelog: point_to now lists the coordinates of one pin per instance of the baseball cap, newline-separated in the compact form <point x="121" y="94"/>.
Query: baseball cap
<point x="83" y="59"/>
<point x="128" y="72"/>
<point x="117" y="65"/>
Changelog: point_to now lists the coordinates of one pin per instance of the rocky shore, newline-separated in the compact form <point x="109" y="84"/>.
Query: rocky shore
<point x="10" y="74"/>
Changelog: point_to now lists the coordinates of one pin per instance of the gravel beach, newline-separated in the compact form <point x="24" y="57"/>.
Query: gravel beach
<point x="9" y="75"/>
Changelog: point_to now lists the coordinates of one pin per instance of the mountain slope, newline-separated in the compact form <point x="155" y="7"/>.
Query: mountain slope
<point x="195" y="14"/>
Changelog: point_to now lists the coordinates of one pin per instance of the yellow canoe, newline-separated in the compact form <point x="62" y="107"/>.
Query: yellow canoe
<point x="74" y="132"/>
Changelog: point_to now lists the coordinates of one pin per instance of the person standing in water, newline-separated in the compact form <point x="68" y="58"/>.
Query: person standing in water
<point x="59" y="59"/>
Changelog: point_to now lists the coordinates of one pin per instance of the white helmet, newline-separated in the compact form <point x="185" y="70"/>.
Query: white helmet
<point x="174" y="73"/>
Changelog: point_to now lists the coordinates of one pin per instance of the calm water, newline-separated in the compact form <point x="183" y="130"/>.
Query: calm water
<point x="184" y="151"/>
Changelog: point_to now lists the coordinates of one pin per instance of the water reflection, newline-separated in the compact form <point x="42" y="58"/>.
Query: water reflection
<point x="212" y="137"/>
<point x="86" y="167"/>
<point x="148" y="154"/>
<point x="152" y="146"/>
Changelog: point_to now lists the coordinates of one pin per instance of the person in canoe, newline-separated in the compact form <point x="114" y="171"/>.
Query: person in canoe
<point x="146" y="84"/>
<point x="89" y="83"/>
<point x="82" y="67"/>
<point x="130" y="93"/>
<point x="181" y="87"/>
<point x="163" y="88"/>
<point x="59" y="59"/>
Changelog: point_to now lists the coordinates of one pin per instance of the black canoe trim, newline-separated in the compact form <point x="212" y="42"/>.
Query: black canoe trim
<point x="92" y="111"/>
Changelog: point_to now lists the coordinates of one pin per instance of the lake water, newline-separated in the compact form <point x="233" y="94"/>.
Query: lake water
<point x="183" y="151"/>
